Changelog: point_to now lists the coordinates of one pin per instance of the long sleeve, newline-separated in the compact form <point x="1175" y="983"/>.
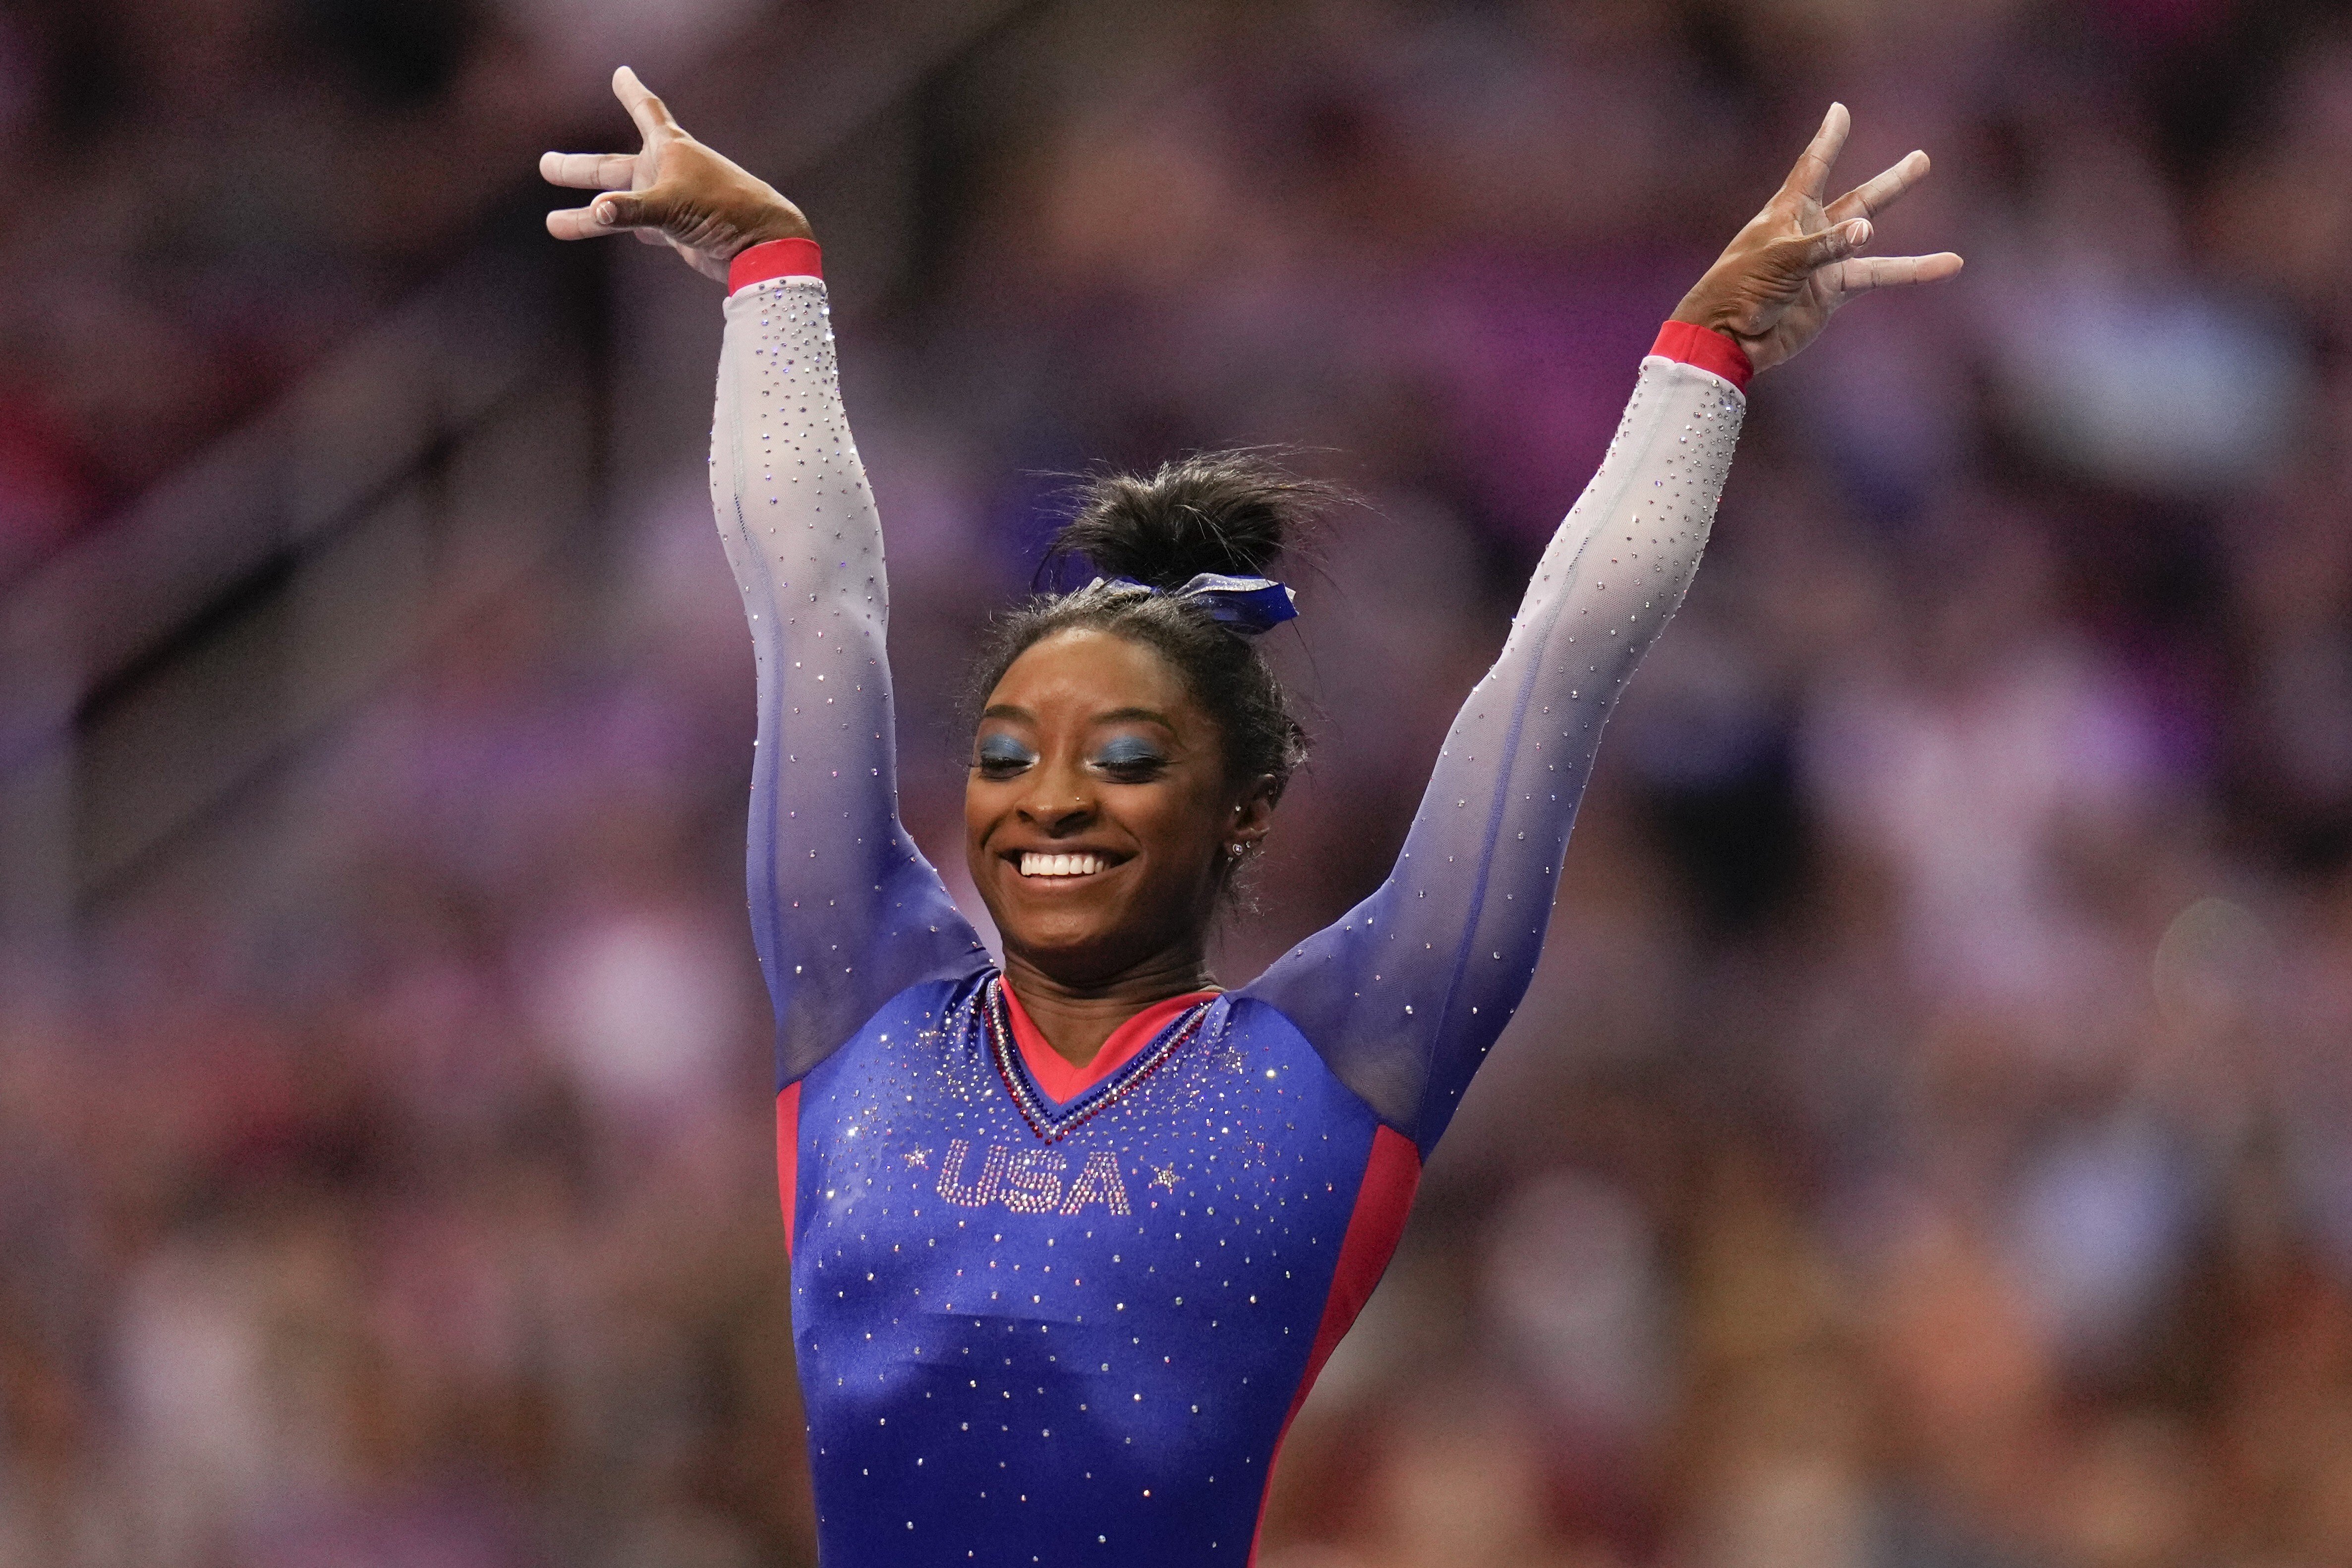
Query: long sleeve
<point x="845" y="913"/>
<point x="1405" y="994"/>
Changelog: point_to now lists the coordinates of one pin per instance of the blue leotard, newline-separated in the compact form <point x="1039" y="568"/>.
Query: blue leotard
<point x="1046" y="1316"/>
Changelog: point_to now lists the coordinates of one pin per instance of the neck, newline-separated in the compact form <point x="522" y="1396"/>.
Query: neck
<point x="1076" y="1019"/>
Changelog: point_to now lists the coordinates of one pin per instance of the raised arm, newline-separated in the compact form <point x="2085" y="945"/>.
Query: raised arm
<point x="845" y="913"/>
<point x="1404" y="996"/>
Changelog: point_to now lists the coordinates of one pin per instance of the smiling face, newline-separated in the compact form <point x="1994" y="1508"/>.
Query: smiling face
<point x="1097" y="814"/>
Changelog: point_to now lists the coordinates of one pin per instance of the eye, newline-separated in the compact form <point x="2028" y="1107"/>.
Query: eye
<point x="1130" y="758"/>
<point x="1001" y="756"/>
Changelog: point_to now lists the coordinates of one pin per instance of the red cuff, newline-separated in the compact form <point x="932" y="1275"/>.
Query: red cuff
<point x="1709" y="350"/>
<point x="775" y="258"/>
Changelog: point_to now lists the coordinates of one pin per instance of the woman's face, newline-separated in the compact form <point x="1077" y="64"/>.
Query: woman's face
<point x="1098" y="811"/>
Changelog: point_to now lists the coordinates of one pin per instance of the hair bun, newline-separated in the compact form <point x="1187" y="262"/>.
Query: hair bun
<point x="1225" y="512"/>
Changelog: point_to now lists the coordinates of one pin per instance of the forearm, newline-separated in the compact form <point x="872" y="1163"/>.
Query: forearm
<point x="832" y="874"/>
<point x="1606" y="586"/>
<point x="806" y="547"/>
<point x="1414" y="985"/>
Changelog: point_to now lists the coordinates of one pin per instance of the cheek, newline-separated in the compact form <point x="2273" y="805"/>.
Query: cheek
<point x="1182" y="825"/>
<point x="983" y="806"/>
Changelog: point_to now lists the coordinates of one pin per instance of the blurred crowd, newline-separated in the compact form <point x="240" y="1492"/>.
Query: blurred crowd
<point x="215" y="192"/>
<point x="1928" y="1143"/>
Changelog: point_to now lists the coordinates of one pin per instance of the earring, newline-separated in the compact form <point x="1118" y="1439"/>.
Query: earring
<point x="1236" y="851"/>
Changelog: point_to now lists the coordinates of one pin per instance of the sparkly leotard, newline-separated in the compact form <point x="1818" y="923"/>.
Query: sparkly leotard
<point x="1052" y="1316"/>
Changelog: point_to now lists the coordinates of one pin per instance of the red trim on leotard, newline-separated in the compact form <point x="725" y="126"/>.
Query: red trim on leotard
<point x="774" y="258"/>
<point x="1706" y="349"/>
<point x="1053" y="1073"/>
<point x="788" y="1155"/>
<point x="1383" y="1199"/>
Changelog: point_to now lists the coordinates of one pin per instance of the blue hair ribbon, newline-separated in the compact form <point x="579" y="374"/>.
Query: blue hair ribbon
<point x="1245" y="606"/>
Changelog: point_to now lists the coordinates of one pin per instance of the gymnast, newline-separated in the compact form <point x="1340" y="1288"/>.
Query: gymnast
<point x="1071" y="1237"/>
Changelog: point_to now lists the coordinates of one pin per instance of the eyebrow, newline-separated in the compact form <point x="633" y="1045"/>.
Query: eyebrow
<point x="1126" y="715"/>
<point x="1116" y="715"/>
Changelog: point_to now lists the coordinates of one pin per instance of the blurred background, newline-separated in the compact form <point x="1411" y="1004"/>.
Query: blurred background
<point x="1929" y="1141"/>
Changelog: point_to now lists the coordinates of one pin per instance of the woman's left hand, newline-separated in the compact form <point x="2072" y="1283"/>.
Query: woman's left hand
<point x="1776" y="285"/>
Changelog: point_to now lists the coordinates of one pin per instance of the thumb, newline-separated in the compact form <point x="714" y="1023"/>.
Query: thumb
<point x="623" y="210"/>
<point x="1802" y="255"/>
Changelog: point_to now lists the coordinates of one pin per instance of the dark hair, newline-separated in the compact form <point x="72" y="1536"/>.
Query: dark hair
<point x="1225" y="512"/>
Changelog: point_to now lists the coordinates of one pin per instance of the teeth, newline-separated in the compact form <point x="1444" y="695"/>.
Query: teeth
<point x="1034" y="864"/>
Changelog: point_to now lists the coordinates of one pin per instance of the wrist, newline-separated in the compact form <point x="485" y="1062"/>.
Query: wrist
<point x="1701" y="309"/>
<point x="1709" y="348"/>
<point x="768" y="222"/>
<point x="792" y="256"/>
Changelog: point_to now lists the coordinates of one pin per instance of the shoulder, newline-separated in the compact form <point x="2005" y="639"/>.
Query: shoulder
<point x="922" y="1019"/>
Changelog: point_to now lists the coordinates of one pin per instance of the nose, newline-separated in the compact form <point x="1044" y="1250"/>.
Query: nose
<point x="1060" y="798"/>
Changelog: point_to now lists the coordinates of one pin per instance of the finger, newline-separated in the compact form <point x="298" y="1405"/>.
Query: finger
<point x="1862" y="274"/>
<point x="653" y="116"/>
<point x="1811" y="176"/>
<point x="1798" y="255"/>
<point x="1874" y="195"/>
<point x="589" y="170"/>
<point x="577" y="223"/>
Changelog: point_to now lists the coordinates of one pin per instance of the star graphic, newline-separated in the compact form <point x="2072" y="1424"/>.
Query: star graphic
<point x="919" y="1156"/>
<point x="1164" y="1176"/>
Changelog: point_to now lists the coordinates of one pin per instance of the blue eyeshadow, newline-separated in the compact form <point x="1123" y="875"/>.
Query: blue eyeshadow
<point x="1128" y="751"/>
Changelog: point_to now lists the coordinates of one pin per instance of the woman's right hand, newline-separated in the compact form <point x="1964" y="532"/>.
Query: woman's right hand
<point x="673" y="189"/>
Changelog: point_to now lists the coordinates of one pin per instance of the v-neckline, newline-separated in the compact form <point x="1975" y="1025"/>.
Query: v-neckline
<point x="1065" y="1094"/>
